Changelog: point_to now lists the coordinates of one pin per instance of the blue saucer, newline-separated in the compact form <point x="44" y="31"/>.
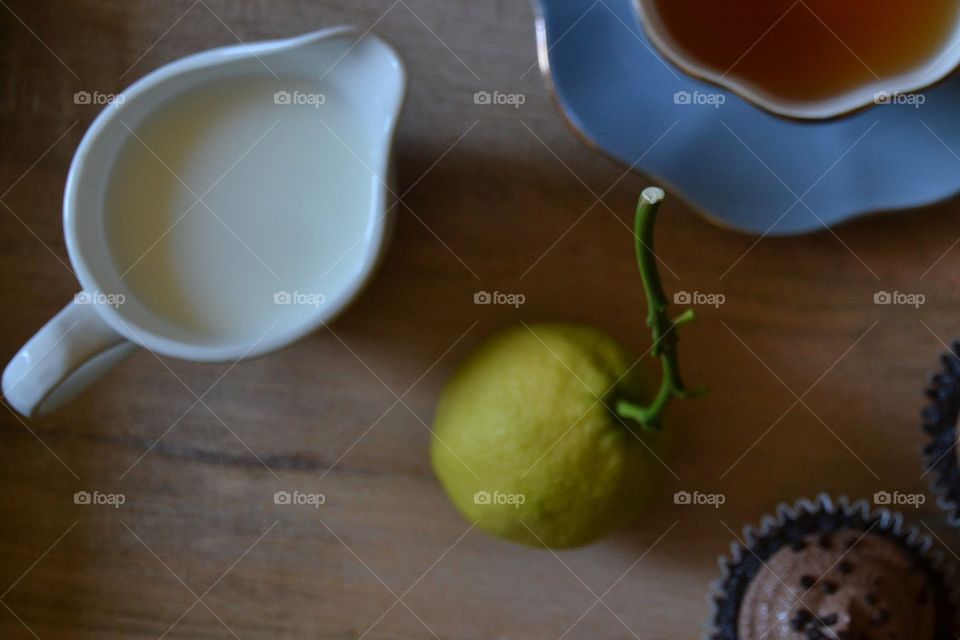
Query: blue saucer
<point x="738" y="165"/>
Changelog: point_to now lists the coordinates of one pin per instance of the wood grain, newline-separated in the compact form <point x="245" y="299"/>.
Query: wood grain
<point x="500" y="199"/>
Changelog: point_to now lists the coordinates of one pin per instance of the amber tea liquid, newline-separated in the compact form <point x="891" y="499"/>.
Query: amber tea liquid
<point x="811" y="50"/>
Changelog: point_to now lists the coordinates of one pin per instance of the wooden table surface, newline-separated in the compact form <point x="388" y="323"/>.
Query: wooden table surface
<point x="814" y="387"/>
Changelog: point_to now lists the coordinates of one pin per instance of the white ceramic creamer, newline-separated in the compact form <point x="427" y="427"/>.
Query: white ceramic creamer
<point x="222" y="207"/>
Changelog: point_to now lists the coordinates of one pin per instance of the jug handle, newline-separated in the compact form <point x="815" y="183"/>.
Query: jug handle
<point x="68" y="354"/>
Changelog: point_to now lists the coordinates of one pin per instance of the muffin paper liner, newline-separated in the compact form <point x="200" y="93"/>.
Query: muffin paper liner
<point x="940" y="424"/>
<point x="791" y="523"/>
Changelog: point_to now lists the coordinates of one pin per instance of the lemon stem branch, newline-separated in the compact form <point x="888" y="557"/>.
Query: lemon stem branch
<point x="663" y="328"/>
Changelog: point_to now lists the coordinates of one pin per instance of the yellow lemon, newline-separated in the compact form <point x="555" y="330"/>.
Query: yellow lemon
<point x="527" y="444"/>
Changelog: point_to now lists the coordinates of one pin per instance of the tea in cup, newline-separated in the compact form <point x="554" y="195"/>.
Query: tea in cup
<point x="809" y="59"/>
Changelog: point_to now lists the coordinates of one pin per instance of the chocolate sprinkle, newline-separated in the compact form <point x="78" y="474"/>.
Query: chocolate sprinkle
<point x="880" y="617"/>
<point x="801" y="620"/>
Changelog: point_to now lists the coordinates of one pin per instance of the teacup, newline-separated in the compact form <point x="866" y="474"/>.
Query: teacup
<point x="809" y="59"/>
<point x="222" y="207"/>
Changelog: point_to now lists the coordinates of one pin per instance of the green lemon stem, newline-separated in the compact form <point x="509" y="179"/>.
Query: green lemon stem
<point x="665" y="339"/>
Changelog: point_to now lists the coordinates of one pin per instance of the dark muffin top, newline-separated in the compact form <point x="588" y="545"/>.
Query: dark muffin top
<point x="845" y="586"/>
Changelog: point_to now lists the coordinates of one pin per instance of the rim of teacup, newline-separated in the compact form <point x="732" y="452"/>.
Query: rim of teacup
<point x="851" y="102"/>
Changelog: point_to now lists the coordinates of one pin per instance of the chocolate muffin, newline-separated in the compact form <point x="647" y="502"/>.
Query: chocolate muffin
<point x="830" y="570"/>
<point x="940" y="455"/>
